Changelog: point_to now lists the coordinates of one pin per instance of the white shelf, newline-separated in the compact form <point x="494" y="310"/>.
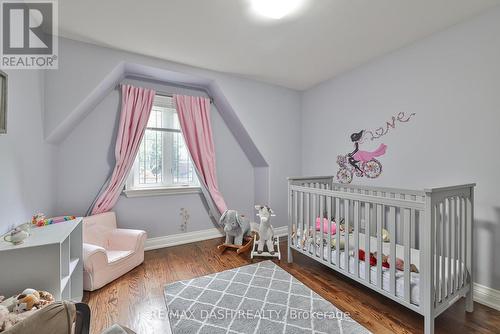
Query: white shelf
<point x="72" y="265"/>
<point x="54" y="253"/>
<point x="46" y="235"/>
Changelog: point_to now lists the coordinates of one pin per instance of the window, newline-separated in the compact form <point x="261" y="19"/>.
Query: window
<point x="163" y="164"/>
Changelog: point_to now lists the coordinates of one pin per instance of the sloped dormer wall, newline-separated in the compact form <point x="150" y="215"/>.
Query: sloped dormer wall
<point x="256" y="132"/>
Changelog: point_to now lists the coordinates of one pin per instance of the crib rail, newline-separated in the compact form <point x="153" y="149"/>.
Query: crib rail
<point x="419" y="223"/>
<point x="328" y="182"/>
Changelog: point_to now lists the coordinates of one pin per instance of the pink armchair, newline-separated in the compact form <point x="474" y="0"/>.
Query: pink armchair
<point x="109" y="252"/>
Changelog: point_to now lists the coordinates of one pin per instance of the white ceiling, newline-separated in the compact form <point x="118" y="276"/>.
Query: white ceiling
<point x="324" y="39"/>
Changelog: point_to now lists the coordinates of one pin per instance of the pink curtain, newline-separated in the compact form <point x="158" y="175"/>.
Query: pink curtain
<point x="194" y="118"/>
<point x="136" y="107"/>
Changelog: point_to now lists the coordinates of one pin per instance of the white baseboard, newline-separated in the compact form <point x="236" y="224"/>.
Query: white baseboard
<point x="188" y="237"/>
<point x="181" y="238"/>
<point x="487" y="296"/>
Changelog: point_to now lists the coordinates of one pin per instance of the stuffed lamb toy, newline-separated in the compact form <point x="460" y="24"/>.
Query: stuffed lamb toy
<point x="236" y="227"/>
<point x="266" y="232"/>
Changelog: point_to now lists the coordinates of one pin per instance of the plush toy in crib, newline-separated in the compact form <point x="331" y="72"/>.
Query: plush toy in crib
<point x="342" y="227"/>
<point x="302" y="235"/>
<point x="341" y="243"/>
<point x="400" y="265"/>
<point x="333" y="226"/>
<point x="294" y="233"/>
<point x="306" y="237"/>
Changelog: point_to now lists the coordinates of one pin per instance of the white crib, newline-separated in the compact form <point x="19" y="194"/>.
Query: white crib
<point x="431" y="229"/>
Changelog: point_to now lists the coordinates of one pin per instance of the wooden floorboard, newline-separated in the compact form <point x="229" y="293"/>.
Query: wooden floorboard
<point x="136" y="299"/>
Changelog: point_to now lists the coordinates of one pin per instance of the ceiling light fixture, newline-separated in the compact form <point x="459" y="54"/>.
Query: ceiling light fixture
<point x="276" y="9"/>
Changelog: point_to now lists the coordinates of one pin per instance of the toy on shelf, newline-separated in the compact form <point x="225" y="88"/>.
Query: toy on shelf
<point x="237" y="229"/>
<point x="266" y="235"/>
<point x="40" y="220"/>
<point x="16" y="236"/>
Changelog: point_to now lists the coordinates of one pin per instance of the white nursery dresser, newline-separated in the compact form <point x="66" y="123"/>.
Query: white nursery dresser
<point x="50" y="259"/>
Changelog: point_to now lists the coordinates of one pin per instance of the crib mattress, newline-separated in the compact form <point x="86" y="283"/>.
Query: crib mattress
<point x="386" y="247"/>
<point x="399" y="275"/>
<point x="414" y="259"/>
<point x="414" y="277"/>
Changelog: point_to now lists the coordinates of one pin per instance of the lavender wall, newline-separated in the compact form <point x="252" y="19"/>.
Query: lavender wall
<point x="452" y="82"/>
<point x="26" y="163"/>
<point x="270" y="116"/>
<point x="87" y="155"/>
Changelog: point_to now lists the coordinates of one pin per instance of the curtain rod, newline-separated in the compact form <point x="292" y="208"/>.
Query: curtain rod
<point x="172" y="95"/>
<point x="159" y="92"/>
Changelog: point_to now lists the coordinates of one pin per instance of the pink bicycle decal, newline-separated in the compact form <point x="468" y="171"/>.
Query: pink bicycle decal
<point x="359" y="163"/>
<point x="371" y="169"/>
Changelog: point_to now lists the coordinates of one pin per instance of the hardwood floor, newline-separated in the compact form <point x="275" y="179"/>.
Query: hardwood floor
<point x="136" y="299"/>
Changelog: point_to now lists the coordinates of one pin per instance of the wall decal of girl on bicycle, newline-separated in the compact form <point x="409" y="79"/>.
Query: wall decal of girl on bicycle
<point x="363" y="163"/>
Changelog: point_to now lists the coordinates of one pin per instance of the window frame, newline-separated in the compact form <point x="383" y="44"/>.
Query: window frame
<point x="132" y="190"/>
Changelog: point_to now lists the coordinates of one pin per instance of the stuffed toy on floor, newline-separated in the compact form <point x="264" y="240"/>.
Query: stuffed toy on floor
<point x="18" y="308"/>
<point x="266" y="231"/>
<point x="236" y="227"/>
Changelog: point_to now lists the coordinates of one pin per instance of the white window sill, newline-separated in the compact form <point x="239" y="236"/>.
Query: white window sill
<point x="145" y="192"/>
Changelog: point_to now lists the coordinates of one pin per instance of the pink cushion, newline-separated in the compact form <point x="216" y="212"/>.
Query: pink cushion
<point x="109" y="252"/>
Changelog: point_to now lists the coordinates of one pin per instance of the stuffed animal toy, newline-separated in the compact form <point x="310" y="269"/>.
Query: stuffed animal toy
<point x="321" y="241"/>
<point x="333" y="226"/>
<point x="385" y="235"/>
<point x="302" y="238"/>
<point x="400" y="263"/>
<point x="39" y="219"/>
<point x="31" y="298"/>
<point x="236" y="227"/>
<point x="307" y="238"/>
<point x="27" y="300"/>
<point x="266" y="232"/>
<point x="342" y="227"/>
<point x="294" y="233"/>
<point x="26" y="303"/>
<point x="385" y="261"/>
<point x="46" y="298"/>
<point x="341" y="243"/>
<point x="16" y="309"/>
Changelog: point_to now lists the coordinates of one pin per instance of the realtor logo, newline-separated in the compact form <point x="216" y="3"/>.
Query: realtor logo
<point x="28" y="36"/>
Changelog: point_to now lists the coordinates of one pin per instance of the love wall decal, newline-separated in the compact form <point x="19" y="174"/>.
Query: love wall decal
<point x="364" y="163"/>
<point x="383" y="130"/>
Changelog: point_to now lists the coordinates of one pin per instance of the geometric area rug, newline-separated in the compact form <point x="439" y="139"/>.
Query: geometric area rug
<point x="258" y="298"/>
